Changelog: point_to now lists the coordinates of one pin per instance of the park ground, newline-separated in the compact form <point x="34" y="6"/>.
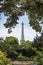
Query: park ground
<point x="23" y="62"/>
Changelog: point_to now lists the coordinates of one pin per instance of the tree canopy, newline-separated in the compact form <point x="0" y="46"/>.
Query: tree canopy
<point x="15" y="8"/>
<point x="38" y="41"/>
<point x="11" y="40"/>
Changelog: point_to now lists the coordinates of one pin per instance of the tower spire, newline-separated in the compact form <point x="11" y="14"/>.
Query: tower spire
<point x="22" y="34"/>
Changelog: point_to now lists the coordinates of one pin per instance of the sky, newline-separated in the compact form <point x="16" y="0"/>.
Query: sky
<point x="29" y="33"/>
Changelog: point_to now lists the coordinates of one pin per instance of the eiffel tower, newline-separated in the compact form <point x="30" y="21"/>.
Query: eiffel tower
<point x="22" y="34"/>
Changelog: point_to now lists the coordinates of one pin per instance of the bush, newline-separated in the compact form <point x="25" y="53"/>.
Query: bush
<point x="22" y="58"/>
<point x="4" y="60"/>
<point x="39" y="58"/>
<point x="10" y="45"/>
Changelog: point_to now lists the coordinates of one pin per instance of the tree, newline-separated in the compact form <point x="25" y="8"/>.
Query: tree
<point x="9" y="46"/>
<point x="38" y="41"/>
<point x="27" y="49"/>
<point x="34" y="8"/>
<point x="11" y="40"/>
<point x="26" y="45"/>
<point x="9" y="43"/>
<point x="1" y="43"/>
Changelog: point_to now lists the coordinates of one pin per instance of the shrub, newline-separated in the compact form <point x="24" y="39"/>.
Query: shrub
<point x="22" y="58"/>
<point x="39" y="58"/>
<point x="4" y="60"/>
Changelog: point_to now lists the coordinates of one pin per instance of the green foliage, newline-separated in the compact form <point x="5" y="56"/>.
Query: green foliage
<point x="26" y="45"/>
<point x="9" y="46"/>
<point x="11" y="40"/>
<point x="38" y="41"/>
<point x="39" y="58"/>
<point x="22" y="58"/>
<point x="34" y="8"/>
<point x="27" y="49"/>
<point x="4" y="60"/>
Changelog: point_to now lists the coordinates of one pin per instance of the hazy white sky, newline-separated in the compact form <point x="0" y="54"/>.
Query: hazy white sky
<point x="29" y="33"/>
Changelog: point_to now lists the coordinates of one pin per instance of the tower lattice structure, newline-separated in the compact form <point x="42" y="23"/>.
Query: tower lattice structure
<point x="22" y="34"/>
